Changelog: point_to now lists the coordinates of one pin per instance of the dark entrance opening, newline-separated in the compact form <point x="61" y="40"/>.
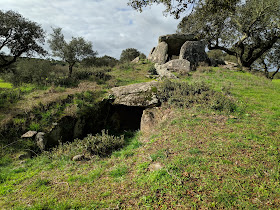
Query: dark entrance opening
<point x="124" y="118"/>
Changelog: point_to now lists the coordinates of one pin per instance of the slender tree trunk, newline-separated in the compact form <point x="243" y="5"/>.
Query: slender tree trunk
<point x="71" y="69"/>
<point x="275" y="73"/>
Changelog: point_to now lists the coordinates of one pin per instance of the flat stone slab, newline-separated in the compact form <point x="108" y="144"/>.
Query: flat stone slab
<point x="29" y="134"/>
<point x="141" y="94"/>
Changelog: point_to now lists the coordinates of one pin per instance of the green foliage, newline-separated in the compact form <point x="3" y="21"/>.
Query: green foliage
<point x="74" y="51"/>
<point x="5" y="85"/>
<point x="9" y="96"/>
<point x="100" y="75"/>
<point x="182" y="94"/>
<point x="33" y="71"/>
<point x="34" y="126"/>
<point x="178" y="7"/>
<point x="99" y="61"/>
<point x="238" y="32"/>
<point x="103" y="145"/>
<point x="100" y="144"/>
<point x="129" y="54"/>
<point x="20" y="36"/>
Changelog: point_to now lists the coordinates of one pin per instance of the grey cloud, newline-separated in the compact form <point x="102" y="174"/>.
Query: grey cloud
<point x="110" y="25"/>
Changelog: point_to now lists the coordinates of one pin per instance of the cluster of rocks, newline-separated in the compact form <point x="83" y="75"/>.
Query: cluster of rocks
<point x="178" y="52"/>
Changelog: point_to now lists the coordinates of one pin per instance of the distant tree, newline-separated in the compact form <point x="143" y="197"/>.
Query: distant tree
<point x="129" y="54"/>
<point x="248" y="32"/>
<point x="74" y="51"/>
<point x="99" y="61"/>
<point x="142" y="56"/>
<point x="18" y="36"/>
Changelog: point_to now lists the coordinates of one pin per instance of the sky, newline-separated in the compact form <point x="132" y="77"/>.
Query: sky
<point x="110" y="25"/>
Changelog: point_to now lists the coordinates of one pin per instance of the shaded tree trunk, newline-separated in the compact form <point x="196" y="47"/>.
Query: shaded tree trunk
<point x="70" y="69"/>
<point x="272" y="76"/>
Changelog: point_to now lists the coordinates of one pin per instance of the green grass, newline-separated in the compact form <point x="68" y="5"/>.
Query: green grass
<point x="5" y="85"/>
<point x="216" y="159"/>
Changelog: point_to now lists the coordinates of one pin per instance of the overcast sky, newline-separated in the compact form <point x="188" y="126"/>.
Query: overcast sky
<point x="110" y="25"/>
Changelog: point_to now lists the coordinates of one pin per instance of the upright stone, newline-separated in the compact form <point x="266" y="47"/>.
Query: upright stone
<point x="160" y="55"/>
<point x="194" y="52"/>
<point x="151" y="53"/>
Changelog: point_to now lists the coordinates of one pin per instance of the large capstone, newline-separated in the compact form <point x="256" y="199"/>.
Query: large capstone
<point x="175" y="42"/>
<point x="141" y="94"/>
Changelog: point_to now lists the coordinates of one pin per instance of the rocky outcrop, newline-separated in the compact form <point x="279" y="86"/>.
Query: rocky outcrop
<point x="179" y="47"/>
<point x="162" y="71"/>
<point x="178" y="65"/>
<point x="175" y="42"/>
<point x="194" y="52"/>
<point x="140" y="95"/>
<point x="159" y="54"/>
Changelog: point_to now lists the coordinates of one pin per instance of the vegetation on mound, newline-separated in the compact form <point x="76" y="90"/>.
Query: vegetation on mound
<point x="209" y="158"/>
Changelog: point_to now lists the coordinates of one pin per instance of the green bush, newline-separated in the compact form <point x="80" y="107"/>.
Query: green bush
<point x="103" y="145"/>
<point x="182" y="94"/>
<point x="33" y="71"/>
<point x="9" y="96"/>
<point x="100" y="144"/>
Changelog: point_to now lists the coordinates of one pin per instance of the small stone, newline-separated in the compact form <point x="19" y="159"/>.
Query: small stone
<point x="155" y="167"/>
<point x="136" y="60"/>
<point x="78" y="158"/>
<point x="232" y="117"/>
<point x="29" y="134"/>
<point x="24" y="156"/>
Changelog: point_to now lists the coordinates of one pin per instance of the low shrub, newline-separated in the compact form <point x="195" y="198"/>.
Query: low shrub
<point x="100" y="144"/>
<point x="182" y="94"/>
<point x="9" y="96"/>
<point x="103" y="144"/>
<point x="94" y="74"/>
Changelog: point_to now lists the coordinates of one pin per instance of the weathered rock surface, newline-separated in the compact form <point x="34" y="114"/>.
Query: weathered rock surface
<point x="151" y="53"/>
<point x="141" y="94"/>
<point x="175" y="42"/>
<point x="29" y="134"/>
<point x="152" y="117"/>
<point x="78" y="158"/>
<point x="159" y="54"/>
<point x="194" y="52"/>
<point x="41" y="141"/>
<point x="135" y="60"/>
<point x="178" y="65"/>
<point x="162" y="71"/>
<point x="155" y="167"/>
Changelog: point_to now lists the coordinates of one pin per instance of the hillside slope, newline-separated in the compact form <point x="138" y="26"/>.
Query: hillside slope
<point x="198" y="157"/>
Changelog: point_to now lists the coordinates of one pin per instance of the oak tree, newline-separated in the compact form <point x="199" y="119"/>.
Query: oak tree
<point x="19" y="36"/>
<point x="72" y="52"/>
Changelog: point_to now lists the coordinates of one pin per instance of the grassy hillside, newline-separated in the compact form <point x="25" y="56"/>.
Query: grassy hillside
<point x="199" y="157"/>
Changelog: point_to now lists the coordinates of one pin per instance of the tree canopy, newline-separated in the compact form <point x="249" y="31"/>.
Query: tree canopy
<point x="72" y="52"/>
<point x="179" y="7"/>
<point x="129" y="54"/>
<point x="247" y="32"/>
<point x="19" y="36"/>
